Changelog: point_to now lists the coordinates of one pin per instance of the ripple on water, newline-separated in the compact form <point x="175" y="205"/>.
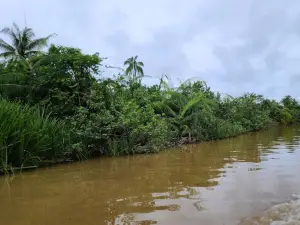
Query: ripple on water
<point x="286" y="213"/>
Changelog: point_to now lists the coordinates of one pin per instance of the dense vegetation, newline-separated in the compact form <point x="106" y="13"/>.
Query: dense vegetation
<point x="56" y="106"/>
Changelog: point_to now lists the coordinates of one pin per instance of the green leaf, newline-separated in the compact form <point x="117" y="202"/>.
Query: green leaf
<point x="194" y="101"/>
<point x="129" y="69"/>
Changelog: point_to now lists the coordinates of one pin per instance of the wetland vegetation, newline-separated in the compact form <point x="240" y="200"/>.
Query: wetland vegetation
<point x="56" y="105"/>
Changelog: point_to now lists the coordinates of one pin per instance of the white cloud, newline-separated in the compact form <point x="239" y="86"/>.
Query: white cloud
<point x="235" y="45"/>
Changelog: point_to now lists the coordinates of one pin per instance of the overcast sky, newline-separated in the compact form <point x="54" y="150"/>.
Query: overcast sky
<point x="235" y="45"/>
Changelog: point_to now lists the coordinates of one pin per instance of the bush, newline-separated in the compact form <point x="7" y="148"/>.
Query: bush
<point x="226" y="129"/>
<point x="129" y="131"/>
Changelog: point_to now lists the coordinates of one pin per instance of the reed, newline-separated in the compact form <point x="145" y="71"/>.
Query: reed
<point x="28" y="136"/>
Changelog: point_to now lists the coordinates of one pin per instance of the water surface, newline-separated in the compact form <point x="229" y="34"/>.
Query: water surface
<point x="227" y="182"/>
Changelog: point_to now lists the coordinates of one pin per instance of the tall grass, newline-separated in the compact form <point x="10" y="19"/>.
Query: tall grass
<point x="28" y="137"/>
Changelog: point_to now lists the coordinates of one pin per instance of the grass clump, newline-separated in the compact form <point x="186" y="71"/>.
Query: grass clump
<point x="28" y="136"/>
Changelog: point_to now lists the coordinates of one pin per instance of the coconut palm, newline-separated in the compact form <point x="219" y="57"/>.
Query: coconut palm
<point x="134" y="69"/>
<point x="23" y="43"/>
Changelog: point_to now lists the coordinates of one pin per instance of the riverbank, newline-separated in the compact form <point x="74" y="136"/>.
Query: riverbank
<point x="56" y="106"/>
<point x="65" y="155"/>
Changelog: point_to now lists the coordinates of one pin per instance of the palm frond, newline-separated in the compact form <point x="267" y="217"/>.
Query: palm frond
<point x="6" y="30"/>
<point x="140" y="70"/>
<point x="5" y="46"/>
<point x="165" y="108"/>
<point x="38" y="43"/>
<point x="193" y="117"/>
<point x="43" y="60"/>
<point x="194" y="101"/>
<point x="28" y="33"/>
<point x="129" y="69"/>
<point x="163" y="83"/>
<point x="141" y="64"/>
<point x="128" y="61"/>
<point x="8" y="54"/>
<point x="15" y="37"/>
<point x="18" y="31"/>
<point x="176" y="97"/>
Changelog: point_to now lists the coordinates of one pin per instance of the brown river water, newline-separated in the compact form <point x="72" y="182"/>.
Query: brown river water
<point x="250" y="179"/>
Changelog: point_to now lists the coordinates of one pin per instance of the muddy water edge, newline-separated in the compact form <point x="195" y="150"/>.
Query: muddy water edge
<point x="231" y="181"/>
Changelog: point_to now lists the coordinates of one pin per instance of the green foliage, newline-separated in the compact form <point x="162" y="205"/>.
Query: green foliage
<point x="28" y="136"/>
<point x="64" y="87"/>
<point x="113" y="124"/>
<point x="23" y="45"/>
<point x="291" y="109"/>
<point x="63" y="80"/>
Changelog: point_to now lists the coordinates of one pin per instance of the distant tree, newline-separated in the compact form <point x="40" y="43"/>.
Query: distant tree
<point x="134" y="69"/>
<point x="23" y="43"/>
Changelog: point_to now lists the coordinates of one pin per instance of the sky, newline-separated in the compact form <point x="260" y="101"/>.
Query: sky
<point x="236" y="46"/>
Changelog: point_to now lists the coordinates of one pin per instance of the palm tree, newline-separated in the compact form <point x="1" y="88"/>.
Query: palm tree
<point x="134" y="68"/>
<point x="185" y="112"/>
<point x="23" y="43"/>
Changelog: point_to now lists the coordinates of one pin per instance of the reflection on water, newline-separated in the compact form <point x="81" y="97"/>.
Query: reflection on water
<point x="220" y="182"/>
